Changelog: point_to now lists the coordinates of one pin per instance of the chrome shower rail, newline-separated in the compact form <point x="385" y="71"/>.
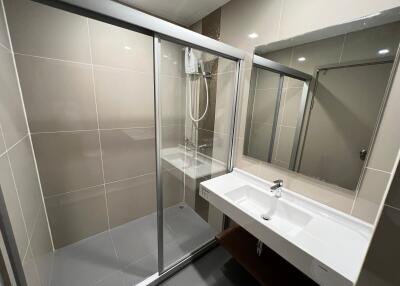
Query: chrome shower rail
<point x="122" y="12"/>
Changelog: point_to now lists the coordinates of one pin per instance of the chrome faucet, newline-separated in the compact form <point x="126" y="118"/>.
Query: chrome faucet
<point x="277" y="188"/>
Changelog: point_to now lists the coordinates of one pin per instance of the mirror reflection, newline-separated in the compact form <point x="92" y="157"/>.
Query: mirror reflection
<point x="315" y="100"/>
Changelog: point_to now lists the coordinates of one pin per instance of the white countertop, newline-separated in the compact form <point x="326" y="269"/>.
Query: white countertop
<point x="333" y="238"/>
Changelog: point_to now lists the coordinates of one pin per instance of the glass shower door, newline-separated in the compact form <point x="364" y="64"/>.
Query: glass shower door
<point x="196" y="97"/>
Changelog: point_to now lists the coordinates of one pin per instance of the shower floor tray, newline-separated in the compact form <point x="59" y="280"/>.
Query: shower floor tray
<point x="127" y="254"/>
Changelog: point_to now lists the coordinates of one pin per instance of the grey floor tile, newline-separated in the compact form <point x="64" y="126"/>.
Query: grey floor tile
<point x="86" y="262"/>
<point x="136" y="239"/>
<point x="94" y="262"/>
<point x="216" y="268"/>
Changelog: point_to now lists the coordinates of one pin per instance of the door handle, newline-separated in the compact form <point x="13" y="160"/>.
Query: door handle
<point x="363" y="154"/>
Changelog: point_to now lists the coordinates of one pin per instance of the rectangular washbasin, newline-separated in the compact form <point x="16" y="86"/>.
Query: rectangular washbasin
<point x="277" y="213"/>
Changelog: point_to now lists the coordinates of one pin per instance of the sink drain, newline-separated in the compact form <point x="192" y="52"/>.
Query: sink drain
<point x="265" y="217"/>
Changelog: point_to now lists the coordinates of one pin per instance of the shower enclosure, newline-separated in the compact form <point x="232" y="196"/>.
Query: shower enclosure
<point x="123" y="131"/>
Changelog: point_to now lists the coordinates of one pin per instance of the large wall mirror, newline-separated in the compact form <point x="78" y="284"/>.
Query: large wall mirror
<point x="316" y="100"/>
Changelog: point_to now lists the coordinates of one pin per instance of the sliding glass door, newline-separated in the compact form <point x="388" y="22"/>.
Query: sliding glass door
<point x="195" y="92"/>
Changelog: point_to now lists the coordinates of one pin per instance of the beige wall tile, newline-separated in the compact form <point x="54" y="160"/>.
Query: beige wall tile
<point x="23" y="167"/>
<point x="240" y="18"/>
<point x="172" y="59"/>
<point x="259" y="142"/>
<point x="266" y="79"/>
<point x="2" y="143"/>
<point x="30" y="270"/>
<point x="128" y="153"/>
<point x="77" y="215"/>
<point x="58" y="95"/>
<point x="131" y="199"/>
<point x="317" y="54"/>
<point x="244" y="162"/>
<point x="42" y="248"/>
<point x="370" y="195"/>
<point x="13" y="206"/>
<point x="172" y="136"/>
<point x="292" y="106"/>
<point x="124" y="49"/>
<point x="35" y="31"/>
<point x="3" y="29"/>
<point x="365" y="44"/>
<point x="387" y="142"/>
<point x="225" y="92"/>
<point x="68" y="161"/>
<point x="283" y="150"/>
<point x="124" y="98"/>
<point x="378" y="268"/>
<point x="299" y="18"/>
<point x="264" y="105"/>
<point x="173" y="186"/>
<point x="12" y="118"/>
<point x="173" y="100"/>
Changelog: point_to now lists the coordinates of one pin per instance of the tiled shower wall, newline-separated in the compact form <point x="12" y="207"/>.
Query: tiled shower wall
<point x="18" y="175"/>
<point x="88" y="91"/>
<point x="280" y="19"/>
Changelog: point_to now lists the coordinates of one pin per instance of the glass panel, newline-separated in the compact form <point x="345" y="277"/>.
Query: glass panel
<point x="196" y="97"/>
<point x="260" y="115"/>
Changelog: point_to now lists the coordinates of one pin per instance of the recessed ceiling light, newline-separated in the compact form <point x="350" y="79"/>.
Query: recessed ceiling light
<point x="301" y="59"/>
<point x="383" y="51"/>
<point x="253" y="35"/>
<point x="127" y="48"/>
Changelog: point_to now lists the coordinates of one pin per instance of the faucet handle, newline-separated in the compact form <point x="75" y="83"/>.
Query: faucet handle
<point x="280" y="182"/>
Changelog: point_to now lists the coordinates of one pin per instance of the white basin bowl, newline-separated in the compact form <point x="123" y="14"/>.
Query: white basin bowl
<point x="281" y="214"/>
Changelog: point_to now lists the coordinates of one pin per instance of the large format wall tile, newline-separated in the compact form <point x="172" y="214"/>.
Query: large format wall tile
<point x="12" y="116"/>
<point x="393" y="197"/>
<point x="40" y="30"/>
<point x="381" y="264"/>
<point x="128" y="153"/>
<point x="42" y="248"/>
<point x="23" y="166"/>
<point x="68" y="161"/>
<point x="2" y="143"/>
<point x="77" y="215"/>
<point x="131" y="199"/>
<point x="3" y="29"/>
<point x="13" y="207"/>
<point x="125" y="49"/>
<point x="365" y="44"/>
<point x="125" y="98"/>
<point x="58" y="95"/>
<point x="369" y="198"/>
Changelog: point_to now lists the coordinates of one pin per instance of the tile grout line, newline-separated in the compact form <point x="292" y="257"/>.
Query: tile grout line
<point x="92" y="130"/>
<point x="85" y="64"/>
<point x="98" y="122"/>
<point x="98" y="185"/>
<point x="29" y="135"/>
<point x="4" y="47"/>
<point x="378" y="170"/>
<point x="342" y="49"/>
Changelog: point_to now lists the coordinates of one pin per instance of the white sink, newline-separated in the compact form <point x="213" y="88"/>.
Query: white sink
<point x="277" y="213"/>
<point x="325" y="244"/>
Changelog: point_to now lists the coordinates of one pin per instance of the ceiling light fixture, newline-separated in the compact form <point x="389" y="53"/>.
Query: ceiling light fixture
<point x="253" y="35"/>
<point x="301" y="59"/>
<point x="127" y="48"/>
<point x="383" y="51"/>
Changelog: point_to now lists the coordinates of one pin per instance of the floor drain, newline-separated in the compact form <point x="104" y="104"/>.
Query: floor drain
<point x="181" y="207"/>
<point x="265" y="217"/>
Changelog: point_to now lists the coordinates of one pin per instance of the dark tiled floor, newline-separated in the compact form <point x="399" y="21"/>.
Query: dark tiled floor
<point x="216" y="268"/>
<point x="127" y="254"/>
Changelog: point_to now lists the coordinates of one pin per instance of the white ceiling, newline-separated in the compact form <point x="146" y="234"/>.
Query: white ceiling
<point x="182" y="12"/>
